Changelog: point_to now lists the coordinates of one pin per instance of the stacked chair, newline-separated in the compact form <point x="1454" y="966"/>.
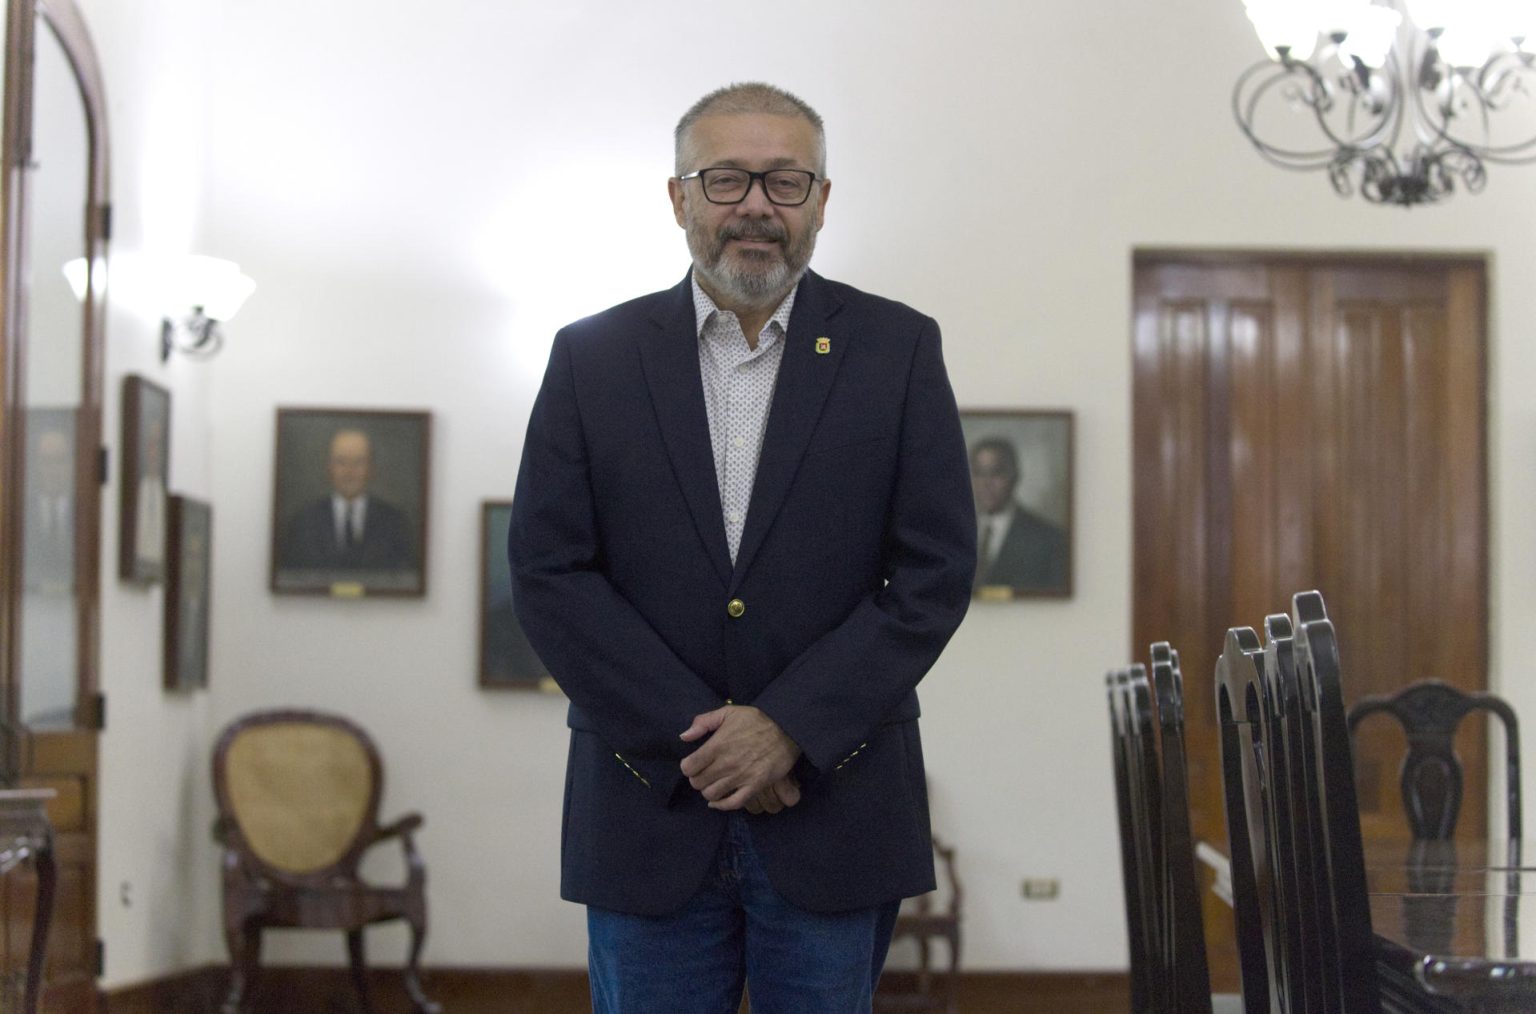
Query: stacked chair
<point x="1169" y="973"/>
<point x="1304" y="934"/>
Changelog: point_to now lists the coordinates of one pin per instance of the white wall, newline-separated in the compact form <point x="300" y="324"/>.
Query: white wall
<point x="157" y="893"/>
<point x="423" y="194"/>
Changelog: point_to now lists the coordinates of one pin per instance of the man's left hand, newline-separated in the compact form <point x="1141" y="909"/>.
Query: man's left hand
<point x="746" y="753"/>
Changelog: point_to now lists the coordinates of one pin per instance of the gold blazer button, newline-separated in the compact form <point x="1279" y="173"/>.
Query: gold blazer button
<point x="735" y="607"/>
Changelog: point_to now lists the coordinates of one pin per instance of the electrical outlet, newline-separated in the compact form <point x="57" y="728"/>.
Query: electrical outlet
<point x="1041" y="888"/>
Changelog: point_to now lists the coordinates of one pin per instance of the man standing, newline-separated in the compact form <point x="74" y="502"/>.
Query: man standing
<point x="1016" y="548"/>
<point x="350" y="529"/>
<point x="742" y="534"/>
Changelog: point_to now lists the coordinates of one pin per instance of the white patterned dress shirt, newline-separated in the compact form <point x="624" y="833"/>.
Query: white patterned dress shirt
<point x="738" y="389"/>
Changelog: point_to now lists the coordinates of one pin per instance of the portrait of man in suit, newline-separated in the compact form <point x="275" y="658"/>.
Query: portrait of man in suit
<point x="742" y="533"/>
<point x="1020" y="479"/>
<point x="348" y="531"/>
<point x="48" y="541"/>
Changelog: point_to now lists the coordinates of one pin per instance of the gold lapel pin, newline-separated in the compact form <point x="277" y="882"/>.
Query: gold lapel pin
<point x="823" y="346"/>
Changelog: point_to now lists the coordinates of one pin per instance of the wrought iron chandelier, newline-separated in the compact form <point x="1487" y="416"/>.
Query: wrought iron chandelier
<point x="1396" y="99"/>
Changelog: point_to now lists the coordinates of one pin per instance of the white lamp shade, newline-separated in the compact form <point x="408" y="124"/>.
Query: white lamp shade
<point x="1430" y="14"/>
<point x="77" y="274"/>
<point x="1468" y="45"/>
<point x="172" y="287"/>
<point x="1369" y="34"/>
<point x="215" y="285"/>
<point x="1288" y="24"/>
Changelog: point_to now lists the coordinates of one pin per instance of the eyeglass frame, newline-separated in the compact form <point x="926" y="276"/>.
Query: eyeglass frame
<point x="761" y="179"/>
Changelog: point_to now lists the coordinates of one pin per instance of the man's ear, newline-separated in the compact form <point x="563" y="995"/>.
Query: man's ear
<point x="675" y="191"/>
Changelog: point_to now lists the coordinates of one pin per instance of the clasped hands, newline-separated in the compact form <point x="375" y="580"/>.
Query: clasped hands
<point x="745" y="761"/>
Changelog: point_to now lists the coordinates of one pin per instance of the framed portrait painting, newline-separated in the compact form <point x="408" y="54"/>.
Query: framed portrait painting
<point x="143" y="507"/>
<point x="506" y="657"/>
<point x="349" y="502"/>
<point x="1021" y="477"/>
<point x="189" y="558"/>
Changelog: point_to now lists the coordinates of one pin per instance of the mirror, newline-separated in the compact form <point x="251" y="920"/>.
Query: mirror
<point x="53" y="209"/>
<point x="53" y="365"/>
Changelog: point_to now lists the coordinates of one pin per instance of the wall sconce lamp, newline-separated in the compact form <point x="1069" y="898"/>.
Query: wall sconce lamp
<point x="212" y="289"/>
<point x="215" y="290"/>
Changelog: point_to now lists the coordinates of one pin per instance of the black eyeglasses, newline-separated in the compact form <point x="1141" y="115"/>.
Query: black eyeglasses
<point x="787" y="188"/>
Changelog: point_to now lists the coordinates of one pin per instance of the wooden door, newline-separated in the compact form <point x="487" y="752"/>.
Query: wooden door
<point x="53" y="210"/>
<point x="1313" y="423"/>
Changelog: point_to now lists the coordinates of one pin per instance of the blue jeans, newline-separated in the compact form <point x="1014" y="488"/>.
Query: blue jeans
<point x="737" y="929"/>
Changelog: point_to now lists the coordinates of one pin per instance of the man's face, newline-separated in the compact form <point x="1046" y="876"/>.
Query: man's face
<point x="752" y="253"/>
<point x="992" y="480"/>
<point x="350" y="463"/>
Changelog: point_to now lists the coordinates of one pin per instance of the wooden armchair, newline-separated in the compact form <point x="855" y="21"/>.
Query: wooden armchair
<point x="932" y="987"/>
<point x="1431" y="777"/>
<point x="298" y="797"/>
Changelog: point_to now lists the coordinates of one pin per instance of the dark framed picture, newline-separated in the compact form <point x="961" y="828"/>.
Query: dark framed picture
<point x="189" y="557"/>
<point x="1021" y="476"/>
<point x="146" y="453"/>
<point x="349" y="502"/>
<point x="506" y="657"/>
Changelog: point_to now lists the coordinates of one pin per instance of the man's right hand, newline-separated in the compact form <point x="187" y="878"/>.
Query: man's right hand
<point x="783" y="793"/>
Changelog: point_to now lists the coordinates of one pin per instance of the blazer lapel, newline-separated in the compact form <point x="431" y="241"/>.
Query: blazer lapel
<point x="805" y="378"/>
<point x="670" y="359"/>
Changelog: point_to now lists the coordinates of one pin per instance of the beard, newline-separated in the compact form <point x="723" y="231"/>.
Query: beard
<point x="749" y="277"/>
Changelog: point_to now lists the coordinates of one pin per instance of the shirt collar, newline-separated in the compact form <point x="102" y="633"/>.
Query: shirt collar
<point x="704" y="308"/>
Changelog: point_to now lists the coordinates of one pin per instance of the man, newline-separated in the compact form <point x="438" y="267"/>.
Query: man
<point x="741" y="535"/>
<point x="350" y="529"/>
<point x="1016" y="548"/>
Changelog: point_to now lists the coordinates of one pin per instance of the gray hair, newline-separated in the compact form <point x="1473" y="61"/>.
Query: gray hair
<point x="748" y="97"/>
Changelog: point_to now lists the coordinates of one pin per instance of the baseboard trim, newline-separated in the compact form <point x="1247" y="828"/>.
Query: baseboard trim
<point x="312" y="990"/>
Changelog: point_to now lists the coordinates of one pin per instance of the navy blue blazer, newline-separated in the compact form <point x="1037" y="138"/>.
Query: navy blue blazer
<point x="855" y="567"/>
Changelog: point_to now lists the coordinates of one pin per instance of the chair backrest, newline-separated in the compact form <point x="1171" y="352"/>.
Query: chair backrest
<point x="1169" y="973"/>
<point x="1240" y="691"/>
<point x="1431" y="776"/>
<point x="1188" y="974"/>
<point x="1138" y="905"/>
<point x="1335" y="849"/>
<point x="299" y="790"/>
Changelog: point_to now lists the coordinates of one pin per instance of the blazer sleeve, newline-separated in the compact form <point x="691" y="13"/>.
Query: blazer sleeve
<point x="832" y="698"/>
<point x="607" y="658"/>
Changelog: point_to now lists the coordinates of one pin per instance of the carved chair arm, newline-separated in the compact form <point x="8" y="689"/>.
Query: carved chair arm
<point x="403" y="828"/>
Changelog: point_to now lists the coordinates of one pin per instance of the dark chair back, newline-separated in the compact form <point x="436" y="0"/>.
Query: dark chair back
<point x="1138" y="906"/>
<point x="1240" y="691"/>
<point x="1187" y="975"/>
<point x="1304" y="934"/>
<point x="1430" y="713"/>
<point x="1169" y="973"/>
<point x="1336" y="852"/>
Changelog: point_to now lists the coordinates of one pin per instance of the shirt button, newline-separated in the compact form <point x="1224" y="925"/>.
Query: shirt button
<point x="736" y="608"/>
<point x="737" y="442"/>
<point x="735" y="517"/>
